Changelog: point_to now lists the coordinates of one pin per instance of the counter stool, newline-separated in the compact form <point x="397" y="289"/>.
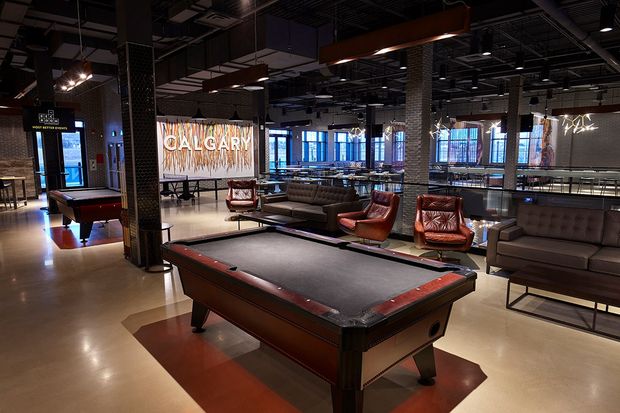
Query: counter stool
<point x="148" y="233"/>
<point x="586" y="181"/>
<point x="4" y="192"/>
<point x="609" y="182"/>
<point x="556" y="180"/>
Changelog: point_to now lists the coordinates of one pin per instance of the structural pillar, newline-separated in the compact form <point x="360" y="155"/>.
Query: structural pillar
<point x="52" y="145"/>
<point x="512" y="135"/>
<point x="260" y="104"/>
<point x="370" y="144"/>
<point x="418" y="95"/>
<point x="137" y="90"/>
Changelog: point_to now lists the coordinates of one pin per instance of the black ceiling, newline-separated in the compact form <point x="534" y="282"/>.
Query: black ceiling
<point x="516" y="26"/>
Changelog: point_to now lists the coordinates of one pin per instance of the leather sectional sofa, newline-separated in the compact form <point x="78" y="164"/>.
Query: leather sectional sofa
<point x="584" y="240"/>
<point x="319" y="204"/>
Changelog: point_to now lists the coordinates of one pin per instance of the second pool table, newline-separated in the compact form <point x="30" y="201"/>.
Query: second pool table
<point x="345" y="311"/>
<point x="87" y="205"/>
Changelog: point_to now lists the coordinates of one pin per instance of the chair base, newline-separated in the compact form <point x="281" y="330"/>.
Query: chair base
<point x="442" y="258"/>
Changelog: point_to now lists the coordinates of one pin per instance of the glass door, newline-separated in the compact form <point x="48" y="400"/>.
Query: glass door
<point x="40" y="159"/>
<point x="74" y="153"/>
<point x="278" y="148"/>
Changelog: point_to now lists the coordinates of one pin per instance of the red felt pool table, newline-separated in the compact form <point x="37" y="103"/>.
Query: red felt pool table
<point x="87" y="205"/>
<point x="345" y="311"/>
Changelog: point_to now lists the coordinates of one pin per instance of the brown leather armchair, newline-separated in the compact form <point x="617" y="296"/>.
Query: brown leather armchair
<point x="375" y="221"/>
<point x="439" y="224"/>
<point x="241" y="195"/>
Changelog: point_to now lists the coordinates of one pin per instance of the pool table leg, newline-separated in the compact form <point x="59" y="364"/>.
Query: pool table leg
<point x="66" y="221"/>
<point x="425" y="361"/>
<point x="199" y="316"/>
<point x="347" y="400"/>
<point x="85" y="228"/>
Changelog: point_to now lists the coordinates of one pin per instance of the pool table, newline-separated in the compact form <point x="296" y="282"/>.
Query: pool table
<point x="87" y="205"/>
<point x="344" y="311"/>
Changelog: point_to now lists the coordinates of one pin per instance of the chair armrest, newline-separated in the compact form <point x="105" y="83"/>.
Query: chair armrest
<point x="493" y="238"/>
<point x="468" y="233"/>
<point x="356" y="215"/>
<point x="268" y="199"/>
<point x="418" y="234"/>
<point x="510" y="233"/>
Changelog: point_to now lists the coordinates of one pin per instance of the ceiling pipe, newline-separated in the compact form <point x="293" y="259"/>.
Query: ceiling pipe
<point x="551" y="8"/>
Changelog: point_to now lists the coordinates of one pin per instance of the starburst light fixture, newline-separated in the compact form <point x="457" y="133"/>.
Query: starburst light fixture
<point x="578" y="124"/>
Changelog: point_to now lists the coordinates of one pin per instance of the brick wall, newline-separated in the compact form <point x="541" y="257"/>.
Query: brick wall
<point x="16" y="153"/>
<point x="418" y="123"/>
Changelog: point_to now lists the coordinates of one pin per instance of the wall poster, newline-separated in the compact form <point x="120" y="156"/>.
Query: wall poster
<point x="205" y="149"/>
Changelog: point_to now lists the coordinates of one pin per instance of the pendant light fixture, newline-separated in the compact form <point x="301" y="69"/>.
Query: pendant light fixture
<point x="487" y="43"/>
<point x="608" y="15"/>
<point x="198" y="115"/>
<point x="566" y="84"/>
<point x="235" y="117"/>
<point x="520" y="60"/>
<point x="474" y="81"/>
<point x="443" y="71"/>
<point x="268" y="120"/>
<point x="403" y="61"/>
<point x="323" y="94"/>
<point x="545" y="75"/>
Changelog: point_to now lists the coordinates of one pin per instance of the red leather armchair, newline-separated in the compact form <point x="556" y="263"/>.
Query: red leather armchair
<point x="241" y="196"/>
<point x="376" y="221"/>
<point x="439" y="224"/>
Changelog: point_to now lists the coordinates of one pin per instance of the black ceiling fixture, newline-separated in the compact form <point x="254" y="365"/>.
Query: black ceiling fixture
<point x="443" y="71"/>
<point x="566" y="83"/>
<point x="384" y="84"/>
<point x="198" y="115"/>
<point x="608" y="15"/>
<point x="501" y="89"/>
<point x="268" y="120"/>
<point x="360" y="116"/>
<point x="235" y="117"/>
<point x="403" y="61"/>
<point x="520" y="60"/>
<point x="487" y="43"/>
<point x="545" y="73"/>
<point x="474" y="81"/>
<point x="549" y="94"/>
<point x="534" y="101"/>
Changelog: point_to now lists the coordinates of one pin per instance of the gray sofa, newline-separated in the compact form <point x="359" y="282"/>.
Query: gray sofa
<point x="584" y="240"/>
<point x="319" y="204"/>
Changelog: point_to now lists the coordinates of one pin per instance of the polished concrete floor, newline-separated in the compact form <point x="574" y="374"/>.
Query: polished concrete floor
<point x="68" y="318"/>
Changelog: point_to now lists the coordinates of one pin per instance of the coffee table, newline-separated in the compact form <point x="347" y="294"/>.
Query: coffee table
<point x="599" y="288"/>
<point x="269" y="218"/>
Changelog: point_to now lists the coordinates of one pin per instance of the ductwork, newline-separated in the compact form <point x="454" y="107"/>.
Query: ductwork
<point x="552" y="9"/>
<point x="11" y="16"/>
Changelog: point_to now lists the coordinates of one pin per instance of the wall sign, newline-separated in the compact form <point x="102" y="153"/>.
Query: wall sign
<point x="48" y="118"/>
<point x="205" y="149"/>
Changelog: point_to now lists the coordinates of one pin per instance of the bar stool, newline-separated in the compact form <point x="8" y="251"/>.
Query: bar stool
<point x="586" y="181"/>
<point x="148" y="233"/>
<point x="4" y="192"/>
<point x="611" y="182"/>
<point x="556" y="180"/>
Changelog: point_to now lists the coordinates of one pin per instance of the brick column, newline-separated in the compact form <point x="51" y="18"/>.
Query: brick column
<point x="512" y="135"/>
<point x="417" y="126"/>
<point x="137" y="87"/>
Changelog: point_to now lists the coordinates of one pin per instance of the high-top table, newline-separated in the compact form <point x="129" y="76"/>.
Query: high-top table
<point x="13" y="180"/>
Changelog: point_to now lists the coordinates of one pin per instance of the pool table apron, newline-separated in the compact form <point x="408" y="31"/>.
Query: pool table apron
<point x="320" y="346"/>
<point x="85" y="215"/>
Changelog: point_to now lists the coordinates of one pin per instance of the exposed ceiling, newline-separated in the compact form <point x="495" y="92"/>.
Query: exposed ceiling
<point x="199" y="39"/>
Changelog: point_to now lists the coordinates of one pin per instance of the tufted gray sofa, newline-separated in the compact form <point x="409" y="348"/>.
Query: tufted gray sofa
<point x="319" y="204"/>
<point x="585" y="240"/>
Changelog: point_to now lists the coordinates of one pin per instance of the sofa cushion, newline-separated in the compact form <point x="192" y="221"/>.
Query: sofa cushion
<point x="301" y="192"/>
<point x="606" y="260"/>
<point x="282" y="208"/>
<point x="611" y="233"/>
<point x="453" y="238"/>
<point x="326" y="195"/>
<point x="564" y="253"/>
<point x="310" y="212"/>
<point x="241" y="202"/>
<point x="573" y="224"/>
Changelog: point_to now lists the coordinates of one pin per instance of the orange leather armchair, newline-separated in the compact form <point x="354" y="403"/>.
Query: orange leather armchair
<point x="241" y="195"/>
<point x="376" y="221"/>
<point x="439" y="224"/>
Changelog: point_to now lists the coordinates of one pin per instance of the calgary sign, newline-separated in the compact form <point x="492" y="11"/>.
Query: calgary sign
<point x="198" y="147"/>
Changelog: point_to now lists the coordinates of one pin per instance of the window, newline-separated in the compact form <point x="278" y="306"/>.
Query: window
<point x="457" y="146"/>
<point x="278" y="148"/>
<point x="314" y="146"/>
<point x="359" y="148"/>
<point x="529" y="146"/>
<point x="398" y="151"/>
<point x="379" y="144"/>
<point x="343" y="147"/>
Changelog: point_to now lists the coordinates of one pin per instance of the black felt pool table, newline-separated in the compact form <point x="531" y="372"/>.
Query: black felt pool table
<point x="345" y="311"/>
<point x="87" y="205"/>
